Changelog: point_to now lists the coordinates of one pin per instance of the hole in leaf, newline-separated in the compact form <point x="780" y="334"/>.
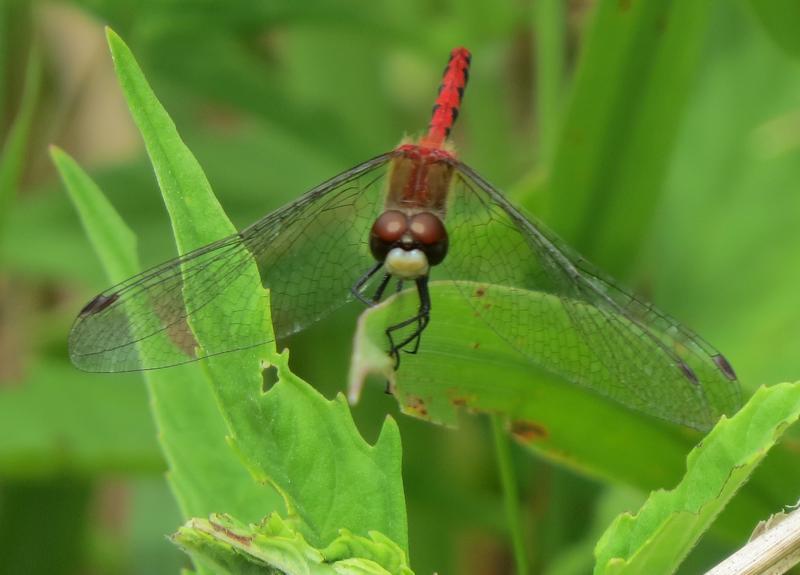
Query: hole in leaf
<point x="269" y="378"/>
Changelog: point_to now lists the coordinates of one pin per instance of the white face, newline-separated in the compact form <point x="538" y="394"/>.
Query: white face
<point x="406" y="264"/>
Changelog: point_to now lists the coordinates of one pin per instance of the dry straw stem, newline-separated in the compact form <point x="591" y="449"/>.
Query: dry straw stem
<point x="774" y="549"/>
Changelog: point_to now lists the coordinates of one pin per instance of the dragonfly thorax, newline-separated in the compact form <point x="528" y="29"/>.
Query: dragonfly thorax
<point x="408" y="244"/>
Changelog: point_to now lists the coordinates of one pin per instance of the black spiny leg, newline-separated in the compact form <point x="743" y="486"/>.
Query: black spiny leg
<point x="356" y="289"/>
<point x="381" y="288"/>
<point x="421" y="327"/>
<point x="421" y="319"/>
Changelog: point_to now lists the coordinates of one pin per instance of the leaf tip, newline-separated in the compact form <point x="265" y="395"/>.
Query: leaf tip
<point x="389" y="437"/>
<point x="56" y="154"/>
<point x="115" y="43"/>
<point x="111" y="36"/>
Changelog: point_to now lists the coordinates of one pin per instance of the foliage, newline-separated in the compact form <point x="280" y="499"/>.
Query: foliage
<point x="668" y="156"/>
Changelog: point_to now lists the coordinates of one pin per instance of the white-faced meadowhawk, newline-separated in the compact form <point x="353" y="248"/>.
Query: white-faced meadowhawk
<point x="410" y="215"/>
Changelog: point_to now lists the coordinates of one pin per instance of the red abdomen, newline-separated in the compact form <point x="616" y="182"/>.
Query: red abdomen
<point x="451" y="91"/>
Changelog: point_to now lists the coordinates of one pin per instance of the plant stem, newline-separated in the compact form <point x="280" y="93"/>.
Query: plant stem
<point x="775" y="550"/>
<point x="510" y="493"/>
<point x="549" y="32"/>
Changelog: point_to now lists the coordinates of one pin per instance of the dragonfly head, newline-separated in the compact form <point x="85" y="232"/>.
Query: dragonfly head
<point x="408" y="244"/>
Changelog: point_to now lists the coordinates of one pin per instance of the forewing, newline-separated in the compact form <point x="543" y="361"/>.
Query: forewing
<point x="567" y="317"/>
<point x="309" y="253"/>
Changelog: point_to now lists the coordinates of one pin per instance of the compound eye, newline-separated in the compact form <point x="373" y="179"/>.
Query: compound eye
<point x="390" y="226"/>
<point x="387" y="231"/>
<point x="427" y="229"/>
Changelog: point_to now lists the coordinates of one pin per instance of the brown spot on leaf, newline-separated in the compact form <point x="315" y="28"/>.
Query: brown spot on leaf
<point x="480" y="292"/>
<point x="416" y="405"/>
<point x="459" y="399"/>
<point x="528" y="431"/>
<point x="244" y="540"/>
<point x="476" y="345"/>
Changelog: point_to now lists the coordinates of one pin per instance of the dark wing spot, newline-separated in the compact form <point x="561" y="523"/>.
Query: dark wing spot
<point x="689" y="373"/>
<point x="99" y="303"/>
<point x="724" y="366"/>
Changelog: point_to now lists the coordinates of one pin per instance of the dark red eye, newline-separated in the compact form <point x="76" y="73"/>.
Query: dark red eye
<point x="386" y="231"/>
<point x="427" y="229"/>
<point x="390" y="226"/>
<point x="430" y="233"/>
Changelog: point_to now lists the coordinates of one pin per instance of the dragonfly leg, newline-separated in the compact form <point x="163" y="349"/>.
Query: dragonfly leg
<point x="379" y="292"/>
<point x="421" y="319"/>
<point x="423" y="323"/>
<point x="356" y="289"/>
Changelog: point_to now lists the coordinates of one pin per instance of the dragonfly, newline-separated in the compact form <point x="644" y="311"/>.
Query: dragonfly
<point x="412" y="217"/>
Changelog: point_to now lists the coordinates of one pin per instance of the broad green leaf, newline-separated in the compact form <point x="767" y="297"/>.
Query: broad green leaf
<point x="636" y="67"/>
<point x="12" y="159"/>
<point x="465" y="365"/>
<point x="205" y="474"/>
<point x="668" y="525"/>
<point x="305" y="446"/>
<point x="274" y="546"/>
<point x="781" y="19"/>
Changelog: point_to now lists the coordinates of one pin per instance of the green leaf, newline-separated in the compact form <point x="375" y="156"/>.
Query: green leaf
<point x="274" y="546"/>
<point x="12" y="159"/>
<point x="628" y="95"/>
<point x="204" y="473"/>
<point x="668" y="525"/>
<point x="466" y="365"/>
<point x="781" y="20"/>
<point x="111" y="238"/>
<point x="305" y="446"/>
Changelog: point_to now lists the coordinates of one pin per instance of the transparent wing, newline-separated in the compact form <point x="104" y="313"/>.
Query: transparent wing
<point x="586" y="329"/>
<point x="309" y="253"/>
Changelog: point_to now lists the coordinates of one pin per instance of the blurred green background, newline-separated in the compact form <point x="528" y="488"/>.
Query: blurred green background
<point x="661" y="139"/>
